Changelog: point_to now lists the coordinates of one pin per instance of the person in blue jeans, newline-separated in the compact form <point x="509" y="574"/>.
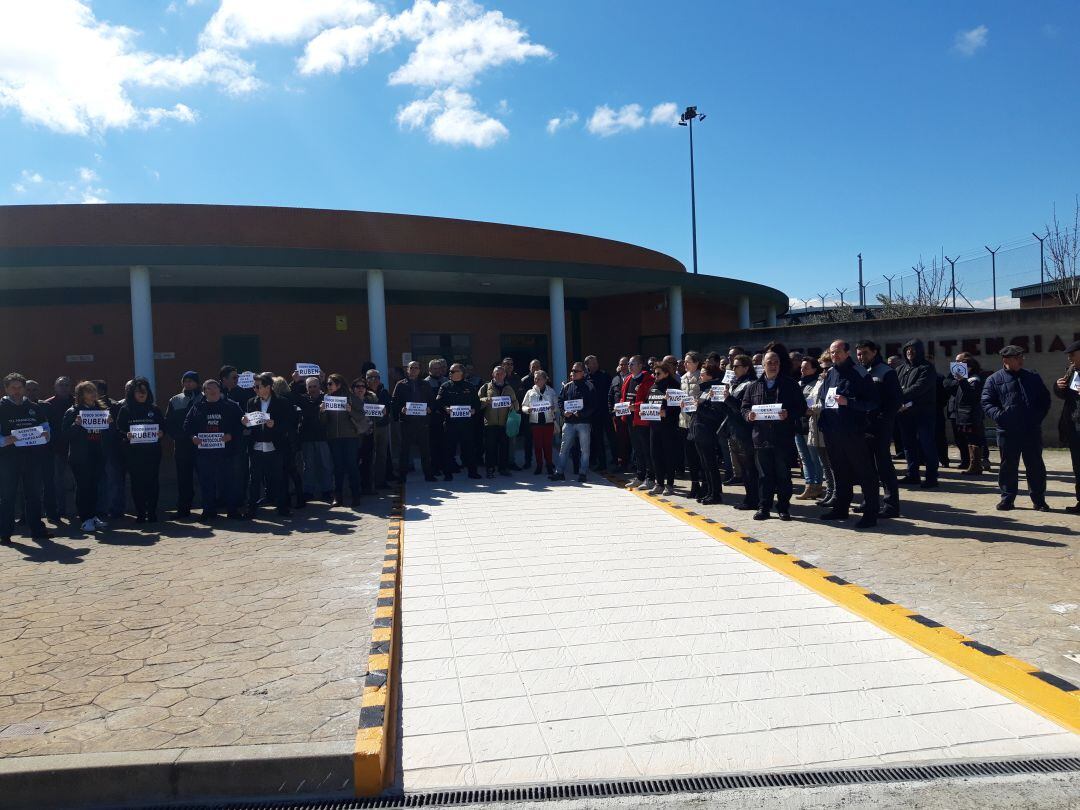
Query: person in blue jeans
<point x="577" y="401"/>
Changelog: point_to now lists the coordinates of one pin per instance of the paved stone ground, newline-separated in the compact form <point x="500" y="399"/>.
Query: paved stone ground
<point x="1008" y="579"/>
<point x="183" y="636"/>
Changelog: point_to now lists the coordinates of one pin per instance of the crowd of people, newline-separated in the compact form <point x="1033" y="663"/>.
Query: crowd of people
<point x="741" y="421"/>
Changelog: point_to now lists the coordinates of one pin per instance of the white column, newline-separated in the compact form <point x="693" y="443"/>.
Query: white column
<point x="744" y="311"/>
<point x="142" y="324"/>
<point x="675" y="321"/>
<point x="376" y="313"/>
<point x="558" y="332"/>
<point x="770" y="318"/>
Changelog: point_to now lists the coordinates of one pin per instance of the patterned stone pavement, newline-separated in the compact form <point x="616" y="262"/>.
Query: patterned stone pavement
<point x="185" y="636"/>
<point x="1008" y="579"/>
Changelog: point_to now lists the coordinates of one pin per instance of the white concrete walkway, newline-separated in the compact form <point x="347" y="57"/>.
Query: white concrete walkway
<point x="578" y="632"/>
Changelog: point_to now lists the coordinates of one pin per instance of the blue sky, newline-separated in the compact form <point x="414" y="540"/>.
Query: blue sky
<point x="894" y="129"/>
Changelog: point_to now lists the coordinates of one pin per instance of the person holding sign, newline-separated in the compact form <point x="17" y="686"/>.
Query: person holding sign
<point x="1067" y="388"/>
<point x="576" y="402"/>
<point x="458" y="402"/>
<point x="183" y="450"/>
<point x="1017" y="400"/>
<point x="774" y="406"/>
<point x="664" y="432"/>
<point x="498" y="400"/>
<point x="690" y="383"/>
<point x="379" y="413"/>
<point x="635" y="391"/>
<point x="318" y="477"/>
<point x="140" y="425"/>
<point x="23" y="456"/>
<point x="86" y="440"/>
<point x="703" y="433"/>
<point x="737" y="431"/>
<point x="213" y="426"/>
<point x="809" y="378"/>
<point x="850" y="387"/>
<point x="267" y="416"/>
<point x="540" y="406"/>
<point x="412" y="405"/>
<point x="343" y="431"/>
<point x="964" y="387"/>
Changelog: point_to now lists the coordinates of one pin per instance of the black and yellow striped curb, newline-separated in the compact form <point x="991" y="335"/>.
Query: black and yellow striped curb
<point x="1054" y="698"/>
<point x="373" y="756"/>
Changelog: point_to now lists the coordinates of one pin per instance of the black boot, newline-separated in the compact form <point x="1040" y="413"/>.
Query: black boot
<point x="695" y="489"/>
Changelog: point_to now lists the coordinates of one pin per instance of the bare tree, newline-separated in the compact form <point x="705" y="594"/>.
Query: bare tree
<point x="931" y="296"/>
<point x="1063" y="245"/>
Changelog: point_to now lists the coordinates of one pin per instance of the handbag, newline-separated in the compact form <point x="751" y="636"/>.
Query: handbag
<point x="513" y="423"/>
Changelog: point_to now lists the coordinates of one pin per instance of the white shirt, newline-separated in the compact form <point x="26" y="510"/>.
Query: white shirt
<point x="264" y="447"/>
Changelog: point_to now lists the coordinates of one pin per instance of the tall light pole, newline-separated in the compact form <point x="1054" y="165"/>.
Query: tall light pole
<point x="993" y="271"/>
<point x="687" y="120"/>
<point x="1042" y="266"/>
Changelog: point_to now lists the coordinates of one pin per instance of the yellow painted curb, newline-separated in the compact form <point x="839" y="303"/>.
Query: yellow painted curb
<point x="1052" y="697"/>
<point x="373" y="755"/>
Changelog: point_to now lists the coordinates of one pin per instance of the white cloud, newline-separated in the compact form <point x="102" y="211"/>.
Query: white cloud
<point x="451" y="117"/>
<point x="242" y="23"/>
<point x="32" y="177"/>
<point x="605" y="121"/>
<point x="666" y="114"/>
<point x="64" y="69"/>
<point x="87" y="175"/>
<point x="1003" y="302"/>
<point x="567" y="119"/>
<point x="81" y="189"/>
<point x="968" y="43"/>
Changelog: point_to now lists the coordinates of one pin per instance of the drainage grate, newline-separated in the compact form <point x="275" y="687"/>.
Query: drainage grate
<point x="23" y="730"/>
<point x="672" y="785"/>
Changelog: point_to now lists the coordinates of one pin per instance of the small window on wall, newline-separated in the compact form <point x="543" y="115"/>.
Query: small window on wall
<point x="426" y="346"/>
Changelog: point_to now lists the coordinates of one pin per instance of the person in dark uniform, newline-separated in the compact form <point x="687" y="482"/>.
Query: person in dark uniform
<point x="1068" y="389"/>
<point x="415" y="428"/>
<point x="620" y="428"/>
<point x="142" y="455"/>
<point x="847" y="397"/>
<point x="183" y="449"/>
<point x="55" y="473"/>
<point x="459" y="404"/>
<point x="880" y="423"/>
<point x="602" y="435"/>
<point x="209" y="417"/>
<point x="1018" y="400"/>
<point x="22" y="458"/>
<point x="268" y="445"/>
<point x="707" y="421"/>
<point x="87" y="453"/>
<point x="918" y="409"/>
<point x="437" y="424"/>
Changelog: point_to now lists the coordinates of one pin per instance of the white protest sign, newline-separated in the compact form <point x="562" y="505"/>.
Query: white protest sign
<point x="573" y="405"/>
<point x="334" y="403"/>
<point x="308" y="369"/>
<point x="650" y="411"/>
<point x="689" y="405"/>
<point x="759" y="371"/>
<point x="720" y="393"/>
<point x="256" y="418"/>
<point x="95" y="420"/>
<point x="767" y="413"/>
<point x="541" y="406"/>
<point x="729" y="376"/>
<point x="144" y="434"/>
<point x="416" y="409"/>
<point x="958" y="370"/>
<point x="374" y="409"/>
<point x="211" y="441"/>
<point x="810" y="401"/>
<point x="675" y="396"/>
<point x="830" y="399"/>
<point x="30" y="436"/>
<point x="500" y="402"/>
<point x="460" y="411"/>
<point x="1075" y="384"/>
<point x="246" y="380"/>
<point x="622" y="409"/>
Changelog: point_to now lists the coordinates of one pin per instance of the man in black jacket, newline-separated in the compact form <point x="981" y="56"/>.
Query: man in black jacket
<point x="577" y="401"/>
<point x="602" y="434"/>
<point x="1018" y="401"/>
<point x="880" y="422"/>
<point x="773" y="438"/>
<point x="918" y="398"/>
<point x="1068" y="389"/>
<point x="847" y="398"/>
<point x="184" y="451"/>
<point x="269" y="443"/>
<point x="459" y="404"/>
<point x="213" y="426"/>
<point x="22" y="458"/>
<point x="620" y="430"/>
<point x="56" y="470"/>
<point x="414" y="426"/>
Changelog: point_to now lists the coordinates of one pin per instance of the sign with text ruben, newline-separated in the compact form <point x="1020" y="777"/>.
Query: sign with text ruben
<point x="416" y="409"/>
<point x="541" y="406"/>
<point x="958" y="370"/>
<point x="30" y="436"/>
<point x="95" y="420"/>
<point x="460" y="411"/>
<point x="374" y="409"/>
<point x="144" y="434"/>
<point x="211" y="441"/>
<point x="769" y="412"/>
<point x="500" y="402"/>
<point x="334" y="403"/>
<point x="308" y="369"/>
<point x="622" y="409"/>
<point x="649" y="411"/>
<point x="246" y="380"/>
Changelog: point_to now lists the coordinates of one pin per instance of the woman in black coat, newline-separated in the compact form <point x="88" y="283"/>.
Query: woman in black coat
<point x="707" y="421"/>
<point x="88" y="449"/>
<point x="966" y="413"/>
<point x="141" y="446"/>
<point x="665" y="433"/>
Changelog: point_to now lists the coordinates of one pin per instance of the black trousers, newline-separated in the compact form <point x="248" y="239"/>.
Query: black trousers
<point x="267" y="473"/>
<point x="461" y="437"/>
<point x="527" y="438"/>
<point x="707" y="452"/>
<point x="880" y="447"/>
<point x="743" y="455"/>
<point x="22" y="465"/>
<point x="496" y="448"/>
<point x="851" y="461"/>
<point x="143" y="469"/>
<point x="437" y="443"/>
<point x="639" y="441"/>
<point x="774" y="476"/>
<point x="185" y="474"/>
<point x="598" y="439"/>
<point x="1074" y="451"/>
<point x="365" y="459"/>
<point x="663" y="443"/>
<point x="415" y="433"/>
<point x="1012" y="448"/>
<point x="88" y="474"/>
<point x="693" y="462"/>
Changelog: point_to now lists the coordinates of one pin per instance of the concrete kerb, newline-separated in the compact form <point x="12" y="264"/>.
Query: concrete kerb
<point x="141" y="778"/>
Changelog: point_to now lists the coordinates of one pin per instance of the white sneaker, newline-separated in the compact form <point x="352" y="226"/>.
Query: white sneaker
<point x="657" y="490"/>
<point x="635" y="484"/>
<point x="99" y="523"/>
<point x="649" y="484"/>
<point x="89" y="525"/>
<point x="669" y="491"/>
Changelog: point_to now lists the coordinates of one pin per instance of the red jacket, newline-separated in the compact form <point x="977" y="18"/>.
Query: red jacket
<point x="641" y="394"/>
